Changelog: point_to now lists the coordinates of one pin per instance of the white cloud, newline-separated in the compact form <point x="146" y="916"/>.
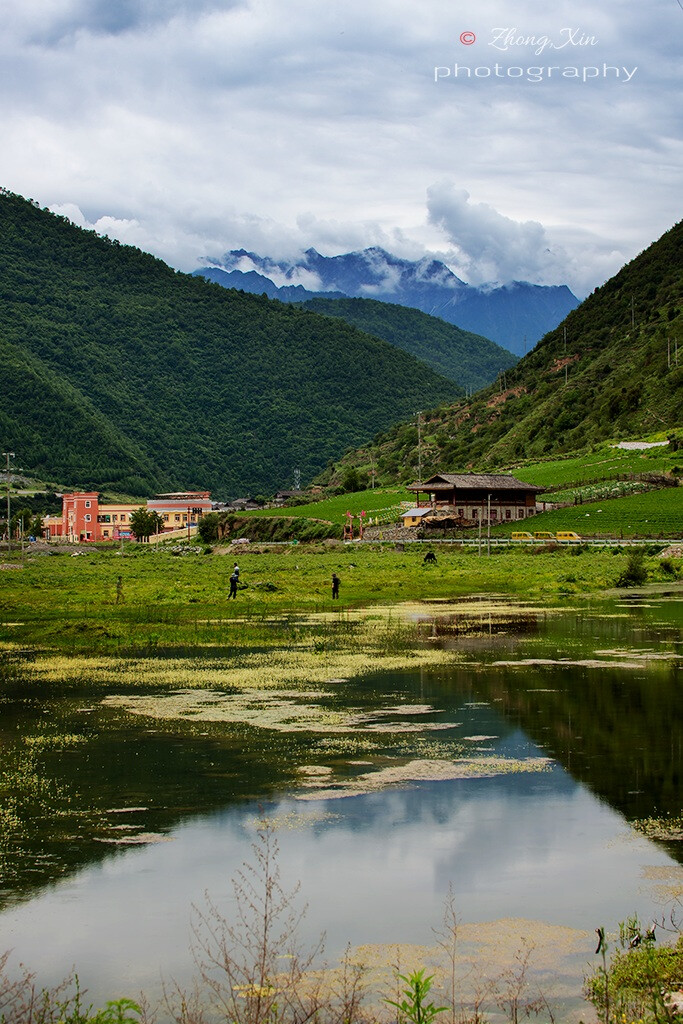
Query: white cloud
<point x="198" y="126"/>
<point x="490" y="247"/>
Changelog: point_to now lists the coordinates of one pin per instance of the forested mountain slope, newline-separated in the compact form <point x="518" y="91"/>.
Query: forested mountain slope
<point x="119" y="370"/>
<point x="469" y="359"/>
<point x="619" y="373"/>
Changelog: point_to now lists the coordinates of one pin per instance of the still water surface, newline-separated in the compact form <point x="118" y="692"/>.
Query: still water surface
<point x="554" y="846"/>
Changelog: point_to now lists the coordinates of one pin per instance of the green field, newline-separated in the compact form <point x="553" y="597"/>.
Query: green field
<point x="69" y="604"/>
<point x="653" y="514"/>
<point x="605" y="464"/>
<point x="334" y="509"/>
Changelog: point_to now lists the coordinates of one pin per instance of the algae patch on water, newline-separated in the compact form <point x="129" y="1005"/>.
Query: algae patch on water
<point x="294" y="820"/>
<point x="281" y="710"/>
<point x="426" y="770"/>
<point x="280" y="666"/>
<point x="139" y="839"/>
<point x="486" y="959"/>
<point x="668" y="879"/>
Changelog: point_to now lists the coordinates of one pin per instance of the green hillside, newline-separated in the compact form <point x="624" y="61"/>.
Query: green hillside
<point x="383" y="503"/>
<point x="604" y="462"/>
<point x="618" y="375"/>
<point x="469" y="359"/>
<point x="119" y="371"/>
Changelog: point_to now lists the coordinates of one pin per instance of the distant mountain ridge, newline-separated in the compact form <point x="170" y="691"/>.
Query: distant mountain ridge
<point x="514" y="315"/>
<point x="257" y="284"/>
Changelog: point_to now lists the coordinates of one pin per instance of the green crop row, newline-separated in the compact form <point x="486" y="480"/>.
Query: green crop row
<point x="653" y="514"/>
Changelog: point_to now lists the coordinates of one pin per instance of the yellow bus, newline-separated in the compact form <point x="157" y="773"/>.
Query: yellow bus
<point x="567" y="535"/>
<point x="522" y="535"/>
<point x="544" y="535"/>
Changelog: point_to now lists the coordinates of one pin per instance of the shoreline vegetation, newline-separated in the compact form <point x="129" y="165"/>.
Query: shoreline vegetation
<point x="252" y="967"/>
<point x="165" y="643"/>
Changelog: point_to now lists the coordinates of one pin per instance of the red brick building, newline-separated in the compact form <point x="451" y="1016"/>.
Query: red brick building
<point x="85" y="519"/>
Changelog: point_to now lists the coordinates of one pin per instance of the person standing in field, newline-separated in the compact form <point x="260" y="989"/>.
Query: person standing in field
<point x="233" y="585"/>
<point x="335" y="585"/>
<point x="236" y="570"/>
<point x="119" y="590"/>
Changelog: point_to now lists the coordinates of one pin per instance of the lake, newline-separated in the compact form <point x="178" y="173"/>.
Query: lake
<point x="535" y="775"/>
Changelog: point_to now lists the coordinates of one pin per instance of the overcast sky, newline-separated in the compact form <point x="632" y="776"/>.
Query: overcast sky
<point x="189" y="127"/>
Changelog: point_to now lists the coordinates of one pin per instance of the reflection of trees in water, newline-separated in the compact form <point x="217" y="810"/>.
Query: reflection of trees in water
<point x="462" y="624"/>
<point x="66" y="798"/>
<point x="620" y="732"/>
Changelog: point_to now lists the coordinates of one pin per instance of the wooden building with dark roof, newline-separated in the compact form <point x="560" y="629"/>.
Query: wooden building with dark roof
<point x="469" y="498"/>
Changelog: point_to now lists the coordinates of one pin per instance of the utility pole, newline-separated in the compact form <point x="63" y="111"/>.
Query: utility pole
<point x="297" y="479"/>
<point x="8" y="456"/>
<point x="419" y="446"/>
<point x="488" y="527"/>
<point x="479" y="517"/>
<point x="565" y="340"/>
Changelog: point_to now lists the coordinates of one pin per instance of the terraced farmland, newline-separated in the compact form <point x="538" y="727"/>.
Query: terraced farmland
<point x="653" y="514"/>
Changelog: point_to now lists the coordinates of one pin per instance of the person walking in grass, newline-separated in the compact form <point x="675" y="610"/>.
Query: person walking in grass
<point x="119" y="590"/>
<point x="234" y="579"/>
<point x="335" y="586"/>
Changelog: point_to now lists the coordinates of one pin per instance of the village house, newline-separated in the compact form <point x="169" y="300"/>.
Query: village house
<point x="465" y="499"/>
<point x="414" y="516"/>
<point x="84" y="518"/>
<point x="178" y="508"/>
<point x="114" y="521"/>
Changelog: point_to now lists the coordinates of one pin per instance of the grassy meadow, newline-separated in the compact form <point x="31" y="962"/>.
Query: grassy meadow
<point x="65" y="603"/>
<point x="374" y="502"/>
<point x="605" y="463"/>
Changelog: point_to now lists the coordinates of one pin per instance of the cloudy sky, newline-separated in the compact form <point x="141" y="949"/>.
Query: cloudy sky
<point x="514" y="140"/>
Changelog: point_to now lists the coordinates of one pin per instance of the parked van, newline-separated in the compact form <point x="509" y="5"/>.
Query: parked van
<point x="522" y="535"/>
<point x="567" y="535"/>
<point x="543" y="535"/>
